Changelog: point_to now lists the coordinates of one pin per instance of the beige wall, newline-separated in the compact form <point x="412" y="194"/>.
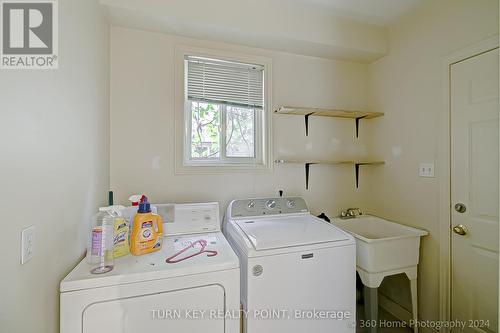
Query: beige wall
<point x="142" y="126"/>
<point x="54" y="166"/>
<point x="408" y="85"/>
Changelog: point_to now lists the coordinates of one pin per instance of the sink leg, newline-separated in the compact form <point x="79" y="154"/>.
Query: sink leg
<point x="414" y="305"/>
<point x="371" y="307"/>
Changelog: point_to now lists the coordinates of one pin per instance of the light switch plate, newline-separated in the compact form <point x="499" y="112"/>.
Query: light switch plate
<point x="426" y="170"/>
<point x="27" y="244"/>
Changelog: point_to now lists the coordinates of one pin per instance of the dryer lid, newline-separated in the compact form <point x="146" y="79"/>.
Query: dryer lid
<point x="289" y="231"/>
<point x="153" y="266"/>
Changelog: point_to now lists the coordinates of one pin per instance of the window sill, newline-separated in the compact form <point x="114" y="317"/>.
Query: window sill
<point x="214" y="169"/>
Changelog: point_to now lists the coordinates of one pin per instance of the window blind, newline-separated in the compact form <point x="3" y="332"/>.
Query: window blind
<point x="225" y="82"/>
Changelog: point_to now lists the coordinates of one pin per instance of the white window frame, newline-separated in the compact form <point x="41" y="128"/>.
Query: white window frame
<point x="262" y="140"/>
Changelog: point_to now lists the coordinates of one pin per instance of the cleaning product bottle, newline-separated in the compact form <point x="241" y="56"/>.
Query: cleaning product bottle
<point x="120" y="234"/>
<point x="129" y="212"/>
<point x="100" y="247"/>
<point x="147" y="230"/>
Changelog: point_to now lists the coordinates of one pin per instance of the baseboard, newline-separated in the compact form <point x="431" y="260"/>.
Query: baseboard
<point x="399" y="312"/>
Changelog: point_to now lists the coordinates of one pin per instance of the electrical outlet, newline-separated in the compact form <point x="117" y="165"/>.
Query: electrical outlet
<point x="426" y="170"/>
<point x="27" y="244"/>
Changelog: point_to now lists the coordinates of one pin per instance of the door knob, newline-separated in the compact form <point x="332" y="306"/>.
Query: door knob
<point x="460" y="207"/>
<point x="460" y="230"/>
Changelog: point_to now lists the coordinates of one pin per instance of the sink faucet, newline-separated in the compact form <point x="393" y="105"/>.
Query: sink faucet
<point x="350" y="213"/>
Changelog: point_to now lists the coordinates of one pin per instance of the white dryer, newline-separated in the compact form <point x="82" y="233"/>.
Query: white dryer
<point x="147" y="294"/>
<point x="298" y="272"/>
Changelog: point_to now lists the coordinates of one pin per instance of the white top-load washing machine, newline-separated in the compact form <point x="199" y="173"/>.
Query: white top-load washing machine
<point x="298" y="272"/>
<point x="198" y="292"/>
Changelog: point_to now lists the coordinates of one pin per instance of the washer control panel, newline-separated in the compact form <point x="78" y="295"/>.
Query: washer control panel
<point x="268" y="206"/>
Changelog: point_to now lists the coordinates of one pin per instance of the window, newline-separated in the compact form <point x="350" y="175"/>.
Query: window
<point x="224" y="112"/>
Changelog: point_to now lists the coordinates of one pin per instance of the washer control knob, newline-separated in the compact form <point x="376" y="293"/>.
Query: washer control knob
<point x="251" y="205"/>
<point x="290" y="203"/>
<point x="271" y="204"/>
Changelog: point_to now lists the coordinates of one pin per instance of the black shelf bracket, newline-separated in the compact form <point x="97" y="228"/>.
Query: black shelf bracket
<point x="306" y="120"/>
<point x="307" y="172"/>
<point x="307" y="167"/>
<point x="356" y="171"/>
<point x="357" y="125"/>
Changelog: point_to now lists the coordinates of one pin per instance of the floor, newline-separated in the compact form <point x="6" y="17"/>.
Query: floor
<point x="387" y="322"/>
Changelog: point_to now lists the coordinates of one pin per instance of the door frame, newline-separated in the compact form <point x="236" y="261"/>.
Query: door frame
<point x="444" y="172"/>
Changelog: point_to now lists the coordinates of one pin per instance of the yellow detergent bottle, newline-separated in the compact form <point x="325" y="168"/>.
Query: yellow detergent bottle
<point x="147" y="230"/>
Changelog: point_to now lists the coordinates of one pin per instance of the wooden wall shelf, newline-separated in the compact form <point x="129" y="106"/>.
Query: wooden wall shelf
<point x="308" y="163"/>
<point x="307" y="112"/>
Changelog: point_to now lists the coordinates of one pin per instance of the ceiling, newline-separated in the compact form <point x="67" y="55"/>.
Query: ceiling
<point x="353" y="30"/>
<point x="382" y="12"/>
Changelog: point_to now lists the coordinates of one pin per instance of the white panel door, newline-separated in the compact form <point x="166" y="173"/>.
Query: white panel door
<point x="170" y="311"/>
<point x="474" y="191"/>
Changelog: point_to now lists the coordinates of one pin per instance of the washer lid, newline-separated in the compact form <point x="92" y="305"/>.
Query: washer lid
<point x="287" y="231"/>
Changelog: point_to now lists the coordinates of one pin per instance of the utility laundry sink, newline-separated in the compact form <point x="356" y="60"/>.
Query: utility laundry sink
<point x="383" y="248"/>
<point x="382" y="245"/>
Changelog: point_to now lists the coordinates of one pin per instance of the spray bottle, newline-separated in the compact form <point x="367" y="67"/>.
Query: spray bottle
<point x="100" y="247"/>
